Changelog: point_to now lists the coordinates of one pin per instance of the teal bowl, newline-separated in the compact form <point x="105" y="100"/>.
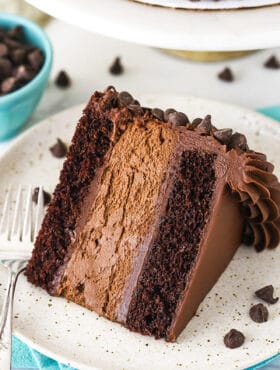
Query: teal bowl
<point x="16" y="107"/>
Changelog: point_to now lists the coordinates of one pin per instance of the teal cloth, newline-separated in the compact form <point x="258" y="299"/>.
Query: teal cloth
<point x="24" y="357"/>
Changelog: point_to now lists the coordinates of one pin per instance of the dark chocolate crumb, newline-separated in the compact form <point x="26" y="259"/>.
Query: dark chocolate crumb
<point x="80" y="287"/>
<point x="234" y="339"/>
<point x="59" y="150"/>
<point x="238" y="140"/>
<point x="178" y="119"/>
<point x="116" y="68"/>
<point x="272" y="62"/>
<point x="125" y="98"/>
<point x="204" y="127"/>
<point x="259" y="313"/>
<point x="63" y="80"/>
<point x="158" y="113"/>
<point x="266" y="294"/>
<point x="226" y="75"/>
<point x="46" y="196"/>
<point x="223" y="135"/>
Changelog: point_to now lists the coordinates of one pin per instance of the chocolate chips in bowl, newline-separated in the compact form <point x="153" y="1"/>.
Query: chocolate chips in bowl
<point x="20" y="61"/>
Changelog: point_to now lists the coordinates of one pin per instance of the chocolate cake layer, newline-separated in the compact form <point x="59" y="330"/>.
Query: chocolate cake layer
<point x="149" y="211"/>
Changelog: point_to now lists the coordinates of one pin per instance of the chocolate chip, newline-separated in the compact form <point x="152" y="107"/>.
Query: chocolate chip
<point x="16" y="33"/>
<point x="178" y="119"/>
<point x="226" y="75"/>
<point x="3" y="50"/>
<point x="24" y="73"/>
<point x="36" y="59"/>
<point x="259" y="313"/>
<point x="59" y="150"/>
<point x="204" y="127"/>
<point x="196" y="122"/>
<point x="6" y="68"/>
<point x="158" y="113"/>
<point x="12" y="44"/>
<point x="18" y="56"/>
<point x="46" y="196"/>
<point x="234" y="339"/>
<point x="63" y="80"/>
<point x="272" y="63"/>
<point x="167" y="112"/>
<point x="111" y="88"/>
<point x="9" y="85"/>
<point x="135" y="108"/>
<point x="125" y="98"/>
<point x="238" y="140"/>
<point x="223" y="135"/>
<point x="116" y="68"/>
<point x="266" y="294"/>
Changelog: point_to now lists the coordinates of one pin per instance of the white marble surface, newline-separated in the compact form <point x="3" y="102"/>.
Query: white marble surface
<point x="87" y="56"/>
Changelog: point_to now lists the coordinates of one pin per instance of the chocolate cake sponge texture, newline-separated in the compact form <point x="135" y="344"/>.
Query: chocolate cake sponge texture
<point x="148" y="212"/>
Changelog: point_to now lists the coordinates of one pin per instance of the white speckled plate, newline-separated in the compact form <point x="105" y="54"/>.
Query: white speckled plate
<point x="222" y="30"/>
<point x="73" y="335"/>
<point x="210" y="4"/>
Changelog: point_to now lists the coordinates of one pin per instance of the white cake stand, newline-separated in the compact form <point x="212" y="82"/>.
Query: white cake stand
<point x="234" y="30"/>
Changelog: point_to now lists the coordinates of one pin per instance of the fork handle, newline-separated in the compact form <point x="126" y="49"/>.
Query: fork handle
<point x="6" y="323"/>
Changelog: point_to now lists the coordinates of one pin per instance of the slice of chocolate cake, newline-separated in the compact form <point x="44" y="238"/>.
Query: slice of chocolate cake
<point x="149" y="211"/>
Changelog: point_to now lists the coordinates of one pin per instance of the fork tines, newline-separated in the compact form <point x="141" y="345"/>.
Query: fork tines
<point x="21" y="219"/>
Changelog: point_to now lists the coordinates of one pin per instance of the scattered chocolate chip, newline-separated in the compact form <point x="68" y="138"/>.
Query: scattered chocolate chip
<point x="125" y="98"/>
<point x="116" y="68"/>
<point x="204" y="127"/>
<point x="158" y="113"/>
<point x="226" y="75"/>
<point x="223" y="135"/>
<point x="167" y="112"/>
<point x="272" y="62"/>
<point x="259" y="313"/>
<point x="238" y="140"/>
<point x="46" y="196"/>
<point x="234" y="339"/>
<point x="3" y="50"/>
<point x="36" y="59"/>
<point x="18" y="56"/>
<point x="16" y="33"/>
<point x="266" y="294"/>
<point x="59" y="150"/>
<point x="6" y="68"/>
<point x="63" y="80"/>
<point x="24" y="72"/>
<point x="178" y="119"/>
<point x="196" y="122"/>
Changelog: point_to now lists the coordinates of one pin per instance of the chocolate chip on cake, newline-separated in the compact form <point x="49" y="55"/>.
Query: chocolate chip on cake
<point x="238" y="140"/>
<point x="178" y="119"/>
<point x="234" y="339"/>
<point x="259" y="313"/>
<point x="46" y="196"/>
<point x="266" y="294"/>
<point x="116" y="68"/>
<point x="167" y="112"/>
<point x="63" y="80"/>
<point x="204" y="127"/>
<point x="223" y="135"/>
<point x="135" y="108"/>
<point x="226" y="75"/>
<point x="59" y="150"/>
<point x="196" y="122"/>
<point x="158" y="113"/>
<point x="125" y="98"/>
<point x="272" y="62"/>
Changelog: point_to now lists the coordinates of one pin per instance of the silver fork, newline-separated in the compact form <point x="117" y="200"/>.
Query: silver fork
<point x="17" y="228"/>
